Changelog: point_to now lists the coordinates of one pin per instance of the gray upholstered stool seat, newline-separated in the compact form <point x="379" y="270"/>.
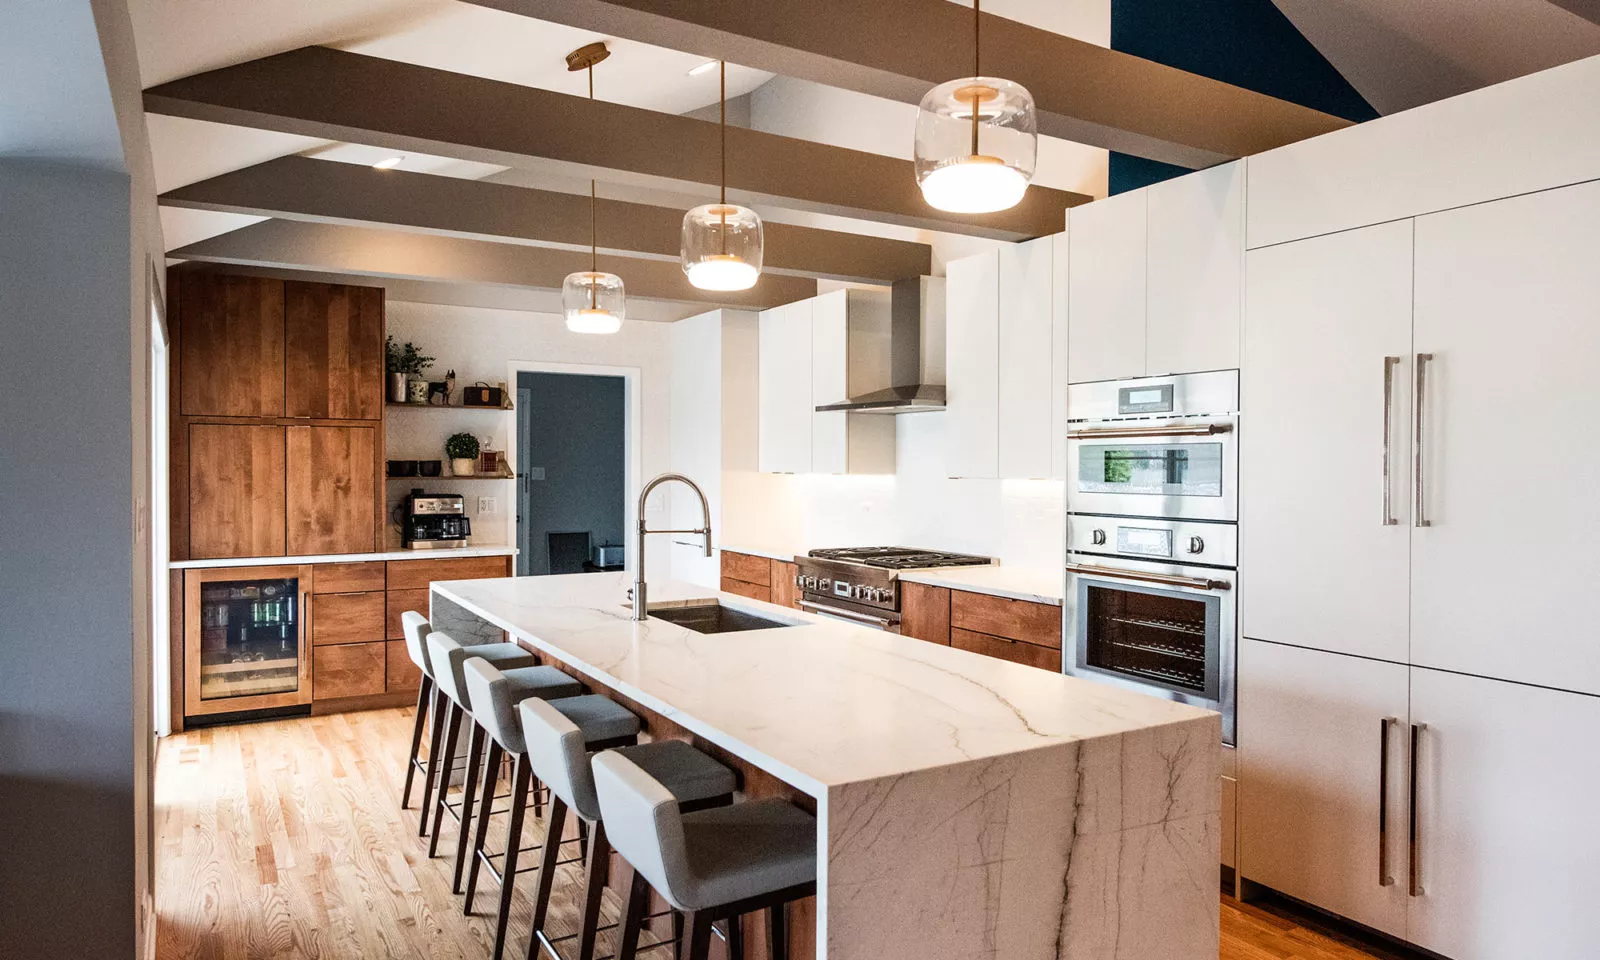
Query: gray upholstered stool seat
<point x="598" y="717"/>
<point x="689" y="774"/>
<point x="546" y="683"/>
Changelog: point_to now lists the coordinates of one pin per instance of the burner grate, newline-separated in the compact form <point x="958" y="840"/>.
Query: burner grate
<point x="900" y="558"/>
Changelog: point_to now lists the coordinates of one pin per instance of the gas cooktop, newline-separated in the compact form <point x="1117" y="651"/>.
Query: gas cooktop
<point x="899" y="558"/>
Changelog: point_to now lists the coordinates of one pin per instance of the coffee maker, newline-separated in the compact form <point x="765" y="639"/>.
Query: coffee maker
<point x="434" y="520"/>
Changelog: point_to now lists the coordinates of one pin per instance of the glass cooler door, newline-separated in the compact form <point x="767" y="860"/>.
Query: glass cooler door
<point x="245" y="639"/>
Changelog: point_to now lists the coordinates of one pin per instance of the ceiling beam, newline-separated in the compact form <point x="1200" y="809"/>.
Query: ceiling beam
<point x="1587" y="9"/>
<point x="327" y="191"/>
<point x="365" y="252"/>
<point x="335" y="95"/>
<point x="899" y="50"/>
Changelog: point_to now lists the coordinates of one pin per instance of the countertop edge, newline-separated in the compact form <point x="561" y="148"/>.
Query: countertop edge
<point x="787" y="556"/>
<point x="488" y="550"/>
<point x="938" y="578"/>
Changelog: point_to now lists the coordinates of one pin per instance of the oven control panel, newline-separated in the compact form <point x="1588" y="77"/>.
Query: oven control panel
<point x="1160" y="541"/>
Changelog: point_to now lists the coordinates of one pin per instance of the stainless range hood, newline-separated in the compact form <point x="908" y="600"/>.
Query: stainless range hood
<point x="916" y="353"/>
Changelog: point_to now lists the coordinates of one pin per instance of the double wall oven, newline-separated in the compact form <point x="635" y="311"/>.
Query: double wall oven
<point x="1152" y="536"/>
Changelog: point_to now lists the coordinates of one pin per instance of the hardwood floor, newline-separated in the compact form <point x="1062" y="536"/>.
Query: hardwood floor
<point x="286" y="839"/>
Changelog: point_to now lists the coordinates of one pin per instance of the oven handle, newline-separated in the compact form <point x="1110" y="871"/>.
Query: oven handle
<point x="1118" y="433"/>
<point x="1170" y="580"/>
<point x="845" y="614"/>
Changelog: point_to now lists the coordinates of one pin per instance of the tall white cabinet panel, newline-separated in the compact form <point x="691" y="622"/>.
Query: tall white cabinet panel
<point x="1106" y="288"/>
<point x="785" y="389"/>
<point x="972" y="365"/>
<point x="1510" y="855"/>
<point x="1059" y="357"/>
<point x="830" y="337"/>
<point x="1025" y="356"/>
<point x="1309" y="802"/>
<point x="1321" y="317"/>
<point x="1508" y="304"/>
<point x="1195" y="261"/>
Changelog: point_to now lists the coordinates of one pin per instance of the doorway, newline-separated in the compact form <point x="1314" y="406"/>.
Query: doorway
<point x="572" y="456"/>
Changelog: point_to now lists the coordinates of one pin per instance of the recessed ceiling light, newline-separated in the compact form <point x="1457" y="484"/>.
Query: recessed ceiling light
<point x="706" y="67"/>
<point x="388" y="163"/>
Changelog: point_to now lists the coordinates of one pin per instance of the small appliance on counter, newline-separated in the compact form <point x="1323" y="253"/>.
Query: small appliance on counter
<point x="609" y="556"/>
<point x="862" y="584"/>
<point x="434" y="520"/>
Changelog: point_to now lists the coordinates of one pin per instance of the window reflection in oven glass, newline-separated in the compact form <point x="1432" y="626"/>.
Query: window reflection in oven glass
<point x="1184" y="469"/>
<point x="1148" y="636"/>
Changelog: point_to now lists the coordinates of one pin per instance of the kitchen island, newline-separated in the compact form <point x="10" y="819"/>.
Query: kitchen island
<point x="967" y="807"/>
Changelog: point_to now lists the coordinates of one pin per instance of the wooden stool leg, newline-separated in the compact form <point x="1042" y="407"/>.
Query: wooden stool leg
<point x="735" y="938"/>
<point x="447" y="762"/>
<point x="491" y="780"/>
<point x="418" y="725"/>
<point x="434" y="746"/>
<point x="633" y="917"/>
<point x="547" y="871"/>
<point x="699" y="924"/>
<point x="597" y="870"/>
<point x="679" y="944"/>
<point x="474" y="764"/>
<point x="778" y="932"/>
<point x="508" y="872"/>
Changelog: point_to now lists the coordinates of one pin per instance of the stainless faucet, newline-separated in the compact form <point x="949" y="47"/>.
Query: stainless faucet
<point x="640" y="603"/>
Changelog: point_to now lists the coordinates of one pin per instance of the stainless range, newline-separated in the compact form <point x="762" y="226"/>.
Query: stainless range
<point x="862" y="584"/>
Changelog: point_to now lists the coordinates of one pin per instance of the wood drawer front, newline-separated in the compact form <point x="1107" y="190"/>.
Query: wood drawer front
<point x="750" y="569"/>
<point x="347" y="618"/>
<point x="1017" y="651"/>
<point x="417" y="574"/>
<point x="925" y="612"/>
<point x="347" y="577"/>
<point x="784" y="591"/>
<point x="348" y="670"/>
<point x="402" y="673"/>
<point x="1002" y="617"/>
<point x="752" y="590"/>
<point x="399" y="602"/>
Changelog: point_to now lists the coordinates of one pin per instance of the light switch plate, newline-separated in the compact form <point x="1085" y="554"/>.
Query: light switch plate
<point x="487" y="505"/>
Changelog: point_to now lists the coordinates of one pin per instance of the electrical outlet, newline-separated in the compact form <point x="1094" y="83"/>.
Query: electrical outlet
<point x="487" y="505"/>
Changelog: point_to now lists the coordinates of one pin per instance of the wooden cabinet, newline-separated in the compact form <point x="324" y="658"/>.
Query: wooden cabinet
<point x="244" y="639"/>
<point x="348" y="577"/>
<point x="1017" y="630"/>
<point x="333" y="346"/>
<point x="1194" y="263"/>
<point x="334" y="503"/>
<point x="349" y="670"/>
<point x="347" y="617"/>
<point x="1106" y="288"/>
<point x="747" y="575"/>
<point x="235" y="482"/>
<point x="785" y="592"/>
<point x="1037" y="623"/>
<point x="752" y="590"/>
<point x="396" y="603"/>
<point x="925" y="612"/>
<point x="1004" y="648"/>
<point x="419" y="574"/>
<point x="784" y="387"/>
<point x="402" y="675"/>
<point x="231" y="345"/>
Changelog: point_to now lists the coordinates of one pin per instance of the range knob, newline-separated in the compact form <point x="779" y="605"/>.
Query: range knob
<point x="1196" y="545"/>
<point x="859" y="592"/>
<point x="810" y="583"/>
<point x="1098" y="537"/>
<point x="824" y="584"/>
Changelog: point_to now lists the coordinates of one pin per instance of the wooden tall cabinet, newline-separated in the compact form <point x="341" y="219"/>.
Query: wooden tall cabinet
<point x="330" y="486"/>
<point x="236" y="490"/>
<point x="333" y="346"/>
<point x="230" y="354"/>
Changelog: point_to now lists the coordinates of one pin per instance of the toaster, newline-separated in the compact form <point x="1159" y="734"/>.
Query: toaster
<point x="609" y="555"/>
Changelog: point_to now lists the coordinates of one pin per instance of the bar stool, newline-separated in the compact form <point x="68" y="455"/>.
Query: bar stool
<point x="559" y="736"/>
<point x="495" y="702"/>
<point x="710" y="864"/>
<point x="416" y="629"/>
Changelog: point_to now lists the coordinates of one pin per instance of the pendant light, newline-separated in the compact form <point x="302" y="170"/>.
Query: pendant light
<point x="722" y="242"/>
<point x="592" y="301"/>
<point x="958" y="118"/>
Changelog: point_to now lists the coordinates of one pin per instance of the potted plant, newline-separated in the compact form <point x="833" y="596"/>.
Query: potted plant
<point x="404" y="362"/>
<point x="462" y="449"/>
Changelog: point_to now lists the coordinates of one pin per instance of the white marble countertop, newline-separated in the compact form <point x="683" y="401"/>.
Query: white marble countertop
<point x="454" y="553"/>
<point x="785" y="554"/>
<point x="821" y="704"/>
<point x="1017" y="583"/>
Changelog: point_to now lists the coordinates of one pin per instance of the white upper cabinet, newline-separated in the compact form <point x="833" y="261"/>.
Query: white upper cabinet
<point x="972" y="365"/>
<point x="785" y="389"/>
<point x="1508" y="305"/>
<point x="1106" y="288"/>
<point x="1060" y="337"/>
<point x="1194" y="270"/>
<point x="1324" y="542"/>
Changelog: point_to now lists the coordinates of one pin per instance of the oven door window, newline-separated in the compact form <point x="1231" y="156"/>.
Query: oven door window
<point x="1167" y="638"/>
<point x="1156" y="469"/>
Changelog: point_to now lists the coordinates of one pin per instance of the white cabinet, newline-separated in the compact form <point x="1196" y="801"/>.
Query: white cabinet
<point x="1060" y="336"/>
<point x="785" y="389"/>
<point x="1106" y="288"/>
<point x="1310" y="770"/>
<point x="1508" y="305"/>
<point x="1323" y="567"/>
<point x="972" y="365"/>
<point x="1194" y="270"/>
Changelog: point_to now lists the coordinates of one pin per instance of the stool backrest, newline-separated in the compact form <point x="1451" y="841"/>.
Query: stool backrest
<point x="489" y="700"/>
<point x="446" y="656"/>
<point x="416" y="629"/>
<point x="559" y="756"/>
<point x="644" y="824"/>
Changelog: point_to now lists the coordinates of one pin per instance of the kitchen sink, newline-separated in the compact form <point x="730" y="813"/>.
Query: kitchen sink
<point x="713" y="617"/>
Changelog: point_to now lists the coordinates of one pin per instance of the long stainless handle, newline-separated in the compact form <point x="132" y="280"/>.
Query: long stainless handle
<point x="1115" y="433"/>
<point x="1170" y="580"/>
<point x="1414" y="832"/>
<point x="1420" y="518"/>
<point x="1384" y="880"/>
<point x="1389" y="363"/>
<point x="846" y="614"/>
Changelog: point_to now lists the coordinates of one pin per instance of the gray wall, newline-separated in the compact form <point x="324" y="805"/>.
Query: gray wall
<point x="575" y="431"/>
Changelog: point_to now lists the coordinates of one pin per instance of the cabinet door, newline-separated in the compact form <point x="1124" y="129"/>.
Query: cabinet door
<point x="1322" y="315"/>
<point x="1195" y="271"/>
<point x="830" y="434"/>
<point x="1508" y="304"/>
<point x="972" y="319"/>
<point x="1106" y="288"/>
<point x="1309" y="801"/>
<point x="698" y="439"/>
<point x="333" y="346"/>
<point x="332" y="503"/>
<point x="230" y="346"/>
<point x="1508" y="776"/>
<point x="1060" y="358"/>
<point x="784" y="438"/>
<point x="925" y="612"/>
<point x="236" y="491"/>
<point x="1025" y="352"/>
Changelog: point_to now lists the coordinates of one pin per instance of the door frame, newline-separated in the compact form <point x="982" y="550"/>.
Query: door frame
<point x="633" y="421"/>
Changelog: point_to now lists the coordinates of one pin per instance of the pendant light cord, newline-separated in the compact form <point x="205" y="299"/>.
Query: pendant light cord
<point x="722" y="123"/>
<point x="977" y="50"/>
<point x="594" y="256"/>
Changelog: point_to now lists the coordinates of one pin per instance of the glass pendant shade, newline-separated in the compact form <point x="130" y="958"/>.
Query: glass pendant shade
<point x="721" y="247"/>
<point x="976" y="167"/>
<point x="593" y="302"/>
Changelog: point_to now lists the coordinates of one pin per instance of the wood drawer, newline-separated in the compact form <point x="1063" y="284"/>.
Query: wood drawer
<point x="752" y="590"/>
<point x="347" y="577"/>
<point x="784" y="591"/>
<point x="417" y="574"/>
<point x="924" y="612"/>
<point x="750" y="569"/>
<point x="1017" y="651"/>
<point x="1003" y="617"/>
<point x="348" y="670"/>
<point x="399" y="602"/>
<point x="347" y="618"/>
<point x="402" y="673"/>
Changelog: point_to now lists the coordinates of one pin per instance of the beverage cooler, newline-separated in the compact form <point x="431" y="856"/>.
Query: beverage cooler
<point x="246" y="639"/>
